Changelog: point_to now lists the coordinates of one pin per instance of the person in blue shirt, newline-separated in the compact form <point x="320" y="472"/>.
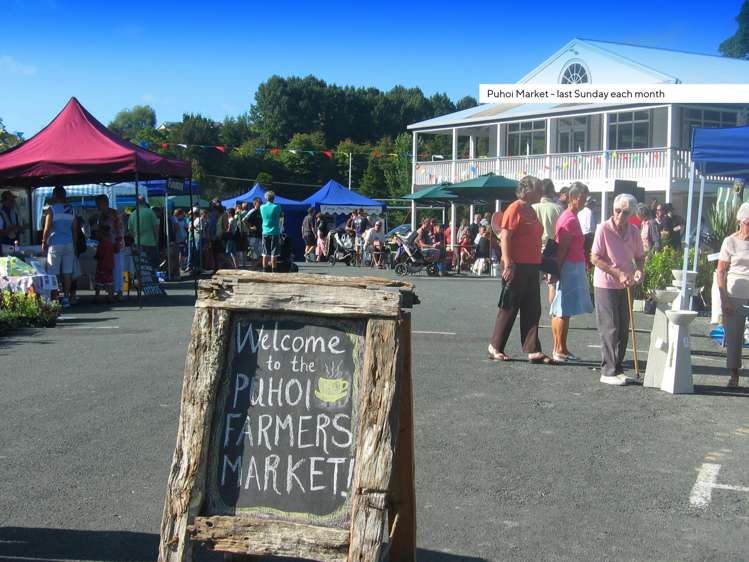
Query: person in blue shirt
<point x="271" y="214"/>
<point x="59" y="239"/>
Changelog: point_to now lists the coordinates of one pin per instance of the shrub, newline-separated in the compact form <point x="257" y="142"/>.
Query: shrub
<point x="658" y="268"/>
<point x="21" y="309"/>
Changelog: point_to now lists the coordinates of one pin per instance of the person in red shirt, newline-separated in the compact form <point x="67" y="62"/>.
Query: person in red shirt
<point x="104" y="262"/>
<point x="520" y="240"/>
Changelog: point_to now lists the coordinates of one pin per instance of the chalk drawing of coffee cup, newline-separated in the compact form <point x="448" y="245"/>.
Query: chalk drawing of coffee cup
<point x="331" y="390"/>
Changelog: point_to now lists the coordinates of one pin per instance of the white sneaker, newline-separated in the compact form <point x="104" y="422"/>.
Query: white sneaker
<point x="628" y="379"/>
<point x="613" y="380"/>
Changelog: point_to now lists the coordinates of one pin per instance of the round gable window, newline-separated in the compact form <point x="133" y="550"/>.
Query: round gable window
<point x="575" y="73"/>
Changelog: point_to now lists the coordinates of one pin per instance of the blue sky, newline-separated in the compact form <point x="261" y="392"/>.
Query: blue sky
<point x="209" y="57"/>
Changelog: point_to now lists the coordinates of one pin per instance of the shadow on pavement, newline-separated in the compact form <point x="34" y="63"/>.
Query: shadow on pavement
<point x="37" y="545"/>
<point x="714" y="390"/>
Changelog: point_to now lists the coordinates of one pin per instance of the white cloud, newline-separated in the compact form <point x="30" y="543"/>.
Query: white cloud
<point x="9" y="65"/>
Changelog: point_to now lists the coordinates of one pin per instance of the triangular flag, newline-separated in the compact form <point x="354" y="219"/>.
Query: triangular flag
<point x="327" y="154"/>
<point x="275" y="150"/>
<point x="182" y="145"/>
<point x="293" y="150"/>
<point x="259" y="150"/>
<point x="220" y="148"/>
<point x="143" y="144"/>
<point x="164" y="145"/>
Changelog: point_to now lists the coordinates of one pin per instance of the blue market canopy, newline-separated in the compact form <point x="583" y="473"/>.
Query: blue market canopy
<point x="722" y="152"/>
<point x="333" y="198"/>
<point x="259" y="191"/>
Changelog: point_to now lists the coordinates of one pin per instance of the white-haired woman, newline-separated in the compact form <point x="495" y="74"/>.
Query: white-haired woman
<point x="572" y="296"/>
<point x="521" y="258"/>
<point x="618" y="257"/>
<point x="733" y="283"/>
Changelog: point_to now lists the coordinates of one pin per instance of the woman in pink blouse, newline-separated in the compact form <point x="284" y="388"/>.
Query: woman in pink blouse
<point x="573" y="293"/>
<point x="618" y="257"/>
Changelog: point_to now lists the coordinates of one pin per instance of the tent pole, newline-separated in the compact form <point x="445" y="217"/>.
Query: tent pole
<point x="191" y="239"/>
<point x="699" y="220"/>
<point x="684" y="301"/>
<point x="31" y="217"/>
<point x="167" y="220"/>
<point x="453" y="227"/>
<point x="137" y="245"/>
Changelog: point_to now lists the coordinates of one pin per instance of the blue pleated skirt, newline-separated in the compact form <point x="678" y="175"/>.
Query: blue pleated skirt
<point x="573" y="293"/>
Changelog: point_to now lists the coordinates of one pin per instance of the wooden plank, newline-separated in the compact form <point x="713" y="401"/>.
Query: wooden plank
<point x="263" y="537"/>
<point x="241" y="276"/>
<point x="403" y="488"/>
<point x="377" y="427"/>
<point x="205" y="361"/>
<point x="307" y="299"/>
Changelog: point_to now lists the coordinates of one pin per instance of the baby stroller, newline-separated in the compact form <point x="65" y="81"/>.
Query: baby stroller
<point x="341" y="247"/>
<point x="409" y="259"/>
<point x="285" y="263"/>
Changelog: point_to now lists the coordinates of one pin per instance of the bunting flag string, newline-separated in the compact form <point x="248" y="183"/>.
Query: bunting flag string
<point x="275" y="150"/>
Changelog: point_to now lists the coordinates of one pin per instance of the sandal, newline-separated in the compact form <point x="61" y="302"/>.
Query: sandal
<point x="497" y="355"/>
<point x="733" y="383"/>
<point x="542" y="359"/>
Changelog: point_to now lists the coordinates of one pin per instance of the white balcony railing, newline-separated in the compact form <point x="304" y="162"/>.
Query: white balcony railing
<point x="649" y="166"/>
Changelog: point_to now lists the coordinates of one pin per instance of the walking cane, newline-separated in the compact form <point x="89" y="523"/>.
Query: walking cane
<point x="632" y="328"/>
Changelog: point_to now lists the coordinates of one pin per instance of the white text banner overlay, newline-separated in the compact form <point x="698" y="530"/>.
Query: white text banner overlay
<point x="614" y="93"/>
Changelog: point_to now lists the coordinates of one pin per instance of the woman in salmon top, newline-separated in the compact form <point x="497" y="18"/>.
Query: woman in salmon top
<point x="520" y="240"/>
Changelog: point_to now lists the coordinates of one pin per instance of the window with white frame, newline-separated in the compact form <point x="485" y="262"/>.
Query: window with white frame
<point x="629" y="130"/>
<point x="575" y="73"/>
<point x="709" y="118"/>
<point x="528" y="137"/>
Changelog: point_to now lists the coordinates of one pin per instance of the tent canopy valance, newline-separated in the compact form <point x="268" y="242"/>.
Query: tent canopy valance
<point x="439" y="194"/>
<point x="258" y="190"/>
<point x="721" y="151"/>
<point x="333" y="198"/>
<point x="75" y="148"/>
<point x="489" y="187"/>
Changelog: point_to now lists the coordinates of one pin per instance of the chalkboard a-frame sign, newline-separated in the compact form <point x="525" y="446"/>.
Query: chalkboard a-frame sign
<point x="295" y="436"/>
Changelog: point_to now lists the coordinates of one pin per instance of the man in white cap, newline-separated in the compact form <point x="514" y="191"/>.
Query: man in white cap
<point x="374" y="243"/>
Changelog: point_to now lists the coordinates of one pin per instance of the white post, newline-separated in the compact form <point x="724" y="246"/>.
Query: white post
<point x="497" y="168"/>
<point x="472" y="147"/>
<point x="699" y="222"/>
<point x="350" y="155"/>
<point x="547" y="159"/>
<point x="453" y="227"/>
<point x="414" y="157"/>
<point x="471" y="212"/>
<point x="669" y="151"/>
<point x="605" y="146"/>
<point x="497" y="205"/>
<point x="684" y="299"/>
<point x="454" y="163"/>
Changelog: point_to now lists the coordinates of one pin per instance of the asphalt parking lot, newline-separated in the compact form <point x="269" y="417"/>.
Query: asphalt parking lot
<point x="513" y="461"/>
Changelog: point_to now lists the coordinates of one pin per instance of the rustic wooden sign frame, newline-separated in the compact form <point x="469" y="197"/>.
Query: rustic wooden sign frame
<point x="382" y="518"/>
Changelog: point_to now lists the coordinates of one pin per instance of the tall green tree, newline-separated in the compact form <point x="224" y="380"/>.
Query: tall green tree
<point x="737" y="46"/>
<point x="8" y="139"/>
<point x="304" y="161"/>
<point x="129" y="122"/>
<point x="466" y="102"/>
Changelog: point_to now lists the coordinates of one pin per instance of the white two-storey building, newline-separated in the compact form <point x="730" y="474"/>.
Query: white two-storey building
<point x="592" y="143"/>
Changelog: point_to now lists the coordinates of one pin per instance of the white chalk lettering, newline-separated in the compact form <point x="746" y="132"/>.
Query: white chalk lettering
<point x="241" y="382"/>
<point x="300" y="431"/>
<point x="313" y="473"/>
<point x="323" y="421"/>
<point x="252" y="473"/>
<point x="343" y="430"/>
<point x="262" y="430"/>
<point x="227" y="428"/>
<point x="235" y="467"/>
<point x="291" y="474"/>
<point x="271" y="464"/>
<point x="287" y="424"/>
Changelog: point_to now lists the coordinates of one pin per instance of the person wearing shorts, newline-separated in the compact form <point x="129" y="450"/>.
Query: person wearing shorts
<point x="271" y="214"/>
<point x="58" y="239"/>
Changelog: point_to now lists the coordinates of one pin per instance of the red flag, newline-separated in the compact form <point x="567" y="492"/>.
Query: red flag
<point x="327" y="154"/>
<point x="376" y="154"/>
<point x="275" y="150"/>
<point x="220" y="148"/>
<point x="164" y="145"/>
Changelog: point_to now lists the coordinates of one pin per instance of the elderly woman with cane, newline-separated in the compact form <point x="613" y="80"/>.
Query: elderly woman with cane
<point x="733" y="283"/>
<point x="521" y="257"/>
<point x="618" y="257"/>
<point x="572" y="296"/>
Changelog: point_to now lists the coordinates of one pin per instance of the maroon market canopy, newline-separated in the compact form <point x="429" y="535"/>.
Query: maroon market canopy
<point x="75" y="148"/>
